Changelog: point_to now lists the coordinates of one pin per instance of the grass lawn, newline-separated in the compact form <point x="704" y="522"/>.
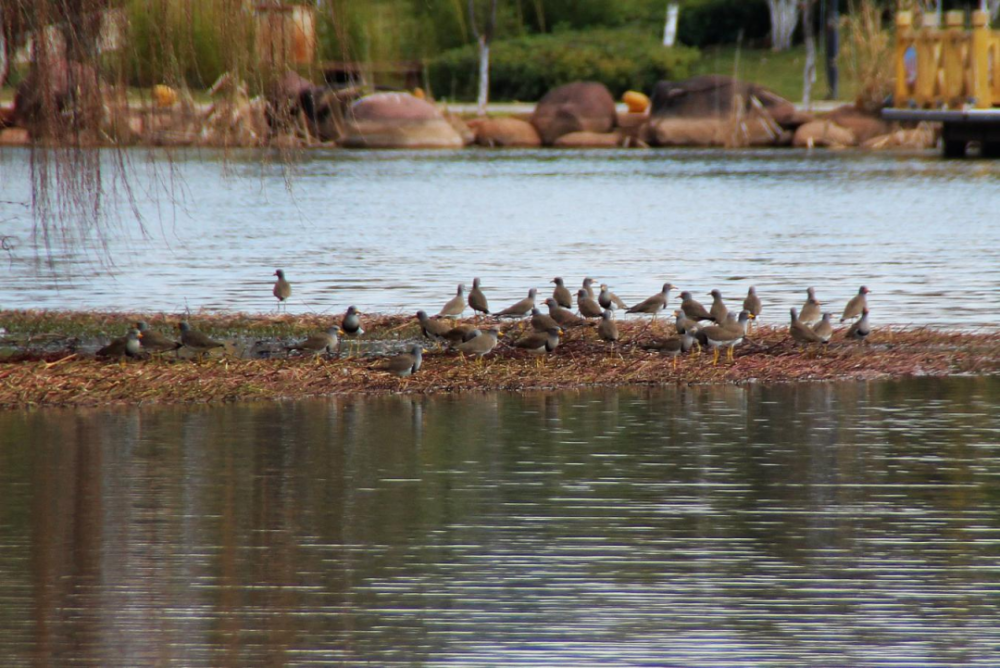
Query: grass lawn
<point x="781" y="72"/>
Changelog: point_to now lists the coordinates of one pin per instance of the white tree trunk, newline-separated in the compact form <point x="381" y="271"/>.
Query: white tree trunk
<point x="484" y="76"/>
<point x="784" y="16"/>
<point x="994" y="6"/>
<point x="4" y="52"/>
<point x="809" y="70"/>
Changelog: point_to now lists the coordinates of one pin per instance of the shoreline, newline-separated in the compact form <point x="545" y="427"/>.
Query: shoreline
<point x="51" y="372"/>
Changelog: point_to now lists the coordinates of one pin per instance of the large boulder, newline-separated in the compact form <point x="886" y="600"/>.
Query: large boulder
<point x="865" y="126"/>
<point x="398" y="120"/>
<point x="293" y="99"/>
<point x="506" y="132"/>
<point x="713" y="96"/>
<point x="823" y="133"/>
<point x="581" y="106"/>
<point x="589" y="140"/>
<point x="751" y="130"/>
<point x="67" y="84"/>
<point x="921" y="137"/>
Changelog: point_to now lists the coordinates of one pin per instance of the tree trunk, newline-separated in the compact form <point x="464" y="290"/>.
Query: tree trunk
<point x="484" y="76"/>
<point x="4" y="50"/>
<point x="832" y="21"/>
<point x="784" y="16"/>
<point x="809" y="70"/>
<point x="994" y="6"/>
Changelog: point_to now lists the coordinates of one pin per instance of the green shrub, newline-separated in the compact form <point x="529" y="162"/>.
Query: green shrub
<point x="527" y="67"/>
<point x="704" y="22"/>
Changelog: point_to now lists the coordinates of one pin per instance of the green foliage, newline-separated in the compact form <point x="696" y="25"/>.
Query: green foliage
<point x="705" y="22"/>
<point x="188" y="42"/>
<point x="527" y="67"/>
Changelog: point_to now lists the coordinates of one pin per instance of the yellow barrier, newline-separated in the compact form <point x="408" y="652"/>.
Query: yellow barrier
<point x="948" y="67"/>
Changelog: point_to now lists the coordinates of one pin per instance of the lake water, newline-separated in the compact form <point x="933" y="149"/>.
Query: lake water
<point x="396" y="231"/>
<point x="848" y="524"/>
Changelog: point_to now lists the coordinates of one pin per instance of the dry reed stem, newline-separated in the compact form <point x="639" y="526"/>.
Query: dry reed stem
<point x="61" y="379"/>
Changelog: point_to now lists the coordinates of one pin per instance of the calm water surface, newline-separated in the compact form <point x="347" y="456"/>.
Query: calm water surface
<point x="396" y="231"/>
<point x="851" y="524"/>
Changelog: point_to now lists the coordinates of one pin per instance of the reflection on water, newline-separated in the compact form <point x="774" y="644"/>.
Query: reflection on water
<point x="393" y="231"/>
<point x="812" y="525"/>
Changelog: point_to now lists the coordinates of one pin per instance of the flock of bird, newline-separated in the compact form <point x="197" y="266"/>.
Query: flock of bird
<point x="715" y="327"/>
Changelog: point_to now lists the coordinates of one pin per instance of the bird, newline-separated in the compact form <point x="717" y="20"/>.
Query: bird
<point x="860" y="329"/>
<point x="563" y="316"/>
<point x="588" y="285"/>
<point x="454" y="307"/>
<point x="654" y="304"/>
<point x="319" y="342"/>
<point x="693" y="309"/>
<point x="588" y="307"/>
<point x="561" y="293"/>
<point x="435" y="330"/>
<point x="540" y="343"/>
<point x="824" y="329"/>
<point x="751" y="304"/>
<point x="154" y="342"/>
<point x="727" y="336"/>
<point x="607" y="330"/>
<point x="857" y="305"/>
<point x="481" y="345"/>
<point x="477" y="300"/>
<point x="684" y="324"/>
<point x="197" y="342"/>
<point x="128" y="346"/>
<point x="718" y="310"/>
<point x="350" y="325"/>
<point x="800" y="331"/>
<point x="811" y="311"/>
<point x="460" y="333"/>
<point x="610" y="300"/>
<point x="541" y="322"/>
<point x="405" y="364"/>
<point x="673" y="346"/>
<point x="282" y="288"/>
<point x="521" y="308"/>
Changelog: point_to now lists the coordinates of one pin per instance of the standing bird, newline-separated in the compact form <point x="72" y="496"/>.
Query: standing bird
<point x="752" y="303"/>
<point x="857" y="305"/>
<point x="405" y="364"/>
<point x="320" y="342"/>
<point x="693" y="309"/>
<point x="477" y="300"/>
<point x="481" y="345"/>
<point x="684" y="324"/>
<point x="607" y="330"/>
<point x="563" y="317"/>
<point x="588" y="307"/>
<point x="860" y="330"/>
<point x="653" y="305"/>
<point x="196" y="341"/>
<point x="521" y="308"/>
<point x="541" y="322"/>
<point x="460" y="333"/>
<point x="726" y="336"/>
<point x="154" y="342"/>
<point x="718" y="310"/>
<point x="800" y="331"/>
<point x="824" y="329"/>
<point x="540" y="343"/>
<point x="673" y="346"/>
<point x="811" y="311"/>
<point x="588" y="285"/>
<point x="351" y="327"/>
<point x="127" y="346"/>
<point x="610" y="300"/>
<point x="435" y="330"/>
<point x="454" y="307"/>
<point x="282" y="288"/>
<point x="561" y="293"/>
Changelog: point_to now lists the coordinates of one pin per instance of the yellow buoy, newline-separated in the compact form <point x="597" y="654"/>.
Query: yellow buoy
<point x="636" y="102"/>
<point x="164" y="96"/>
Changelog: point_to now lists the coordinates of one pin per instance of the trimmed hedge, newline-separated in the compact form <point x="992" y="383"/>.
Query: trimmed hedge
<point x="528" y="67"/>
